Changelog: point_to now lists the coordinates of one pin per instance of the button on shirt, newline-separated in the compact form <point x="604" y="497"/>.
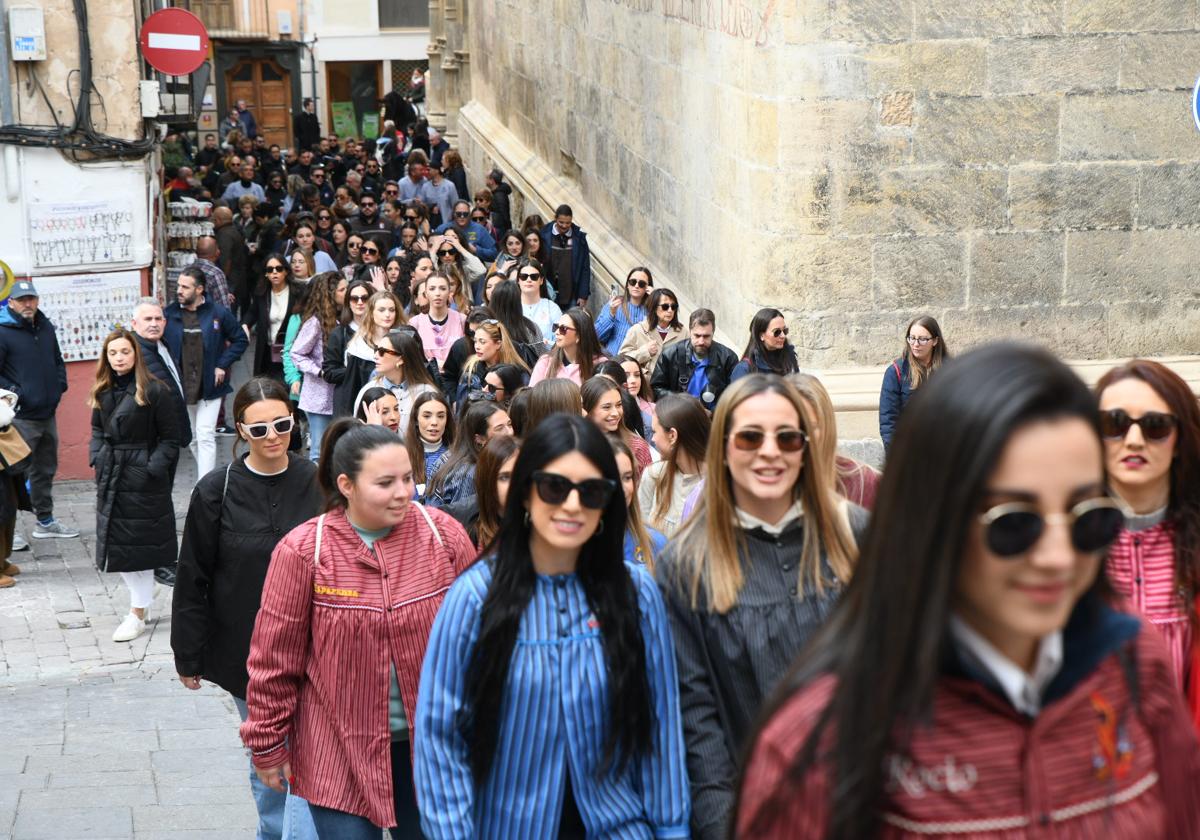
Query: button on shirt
<point x="1023" y="690"/>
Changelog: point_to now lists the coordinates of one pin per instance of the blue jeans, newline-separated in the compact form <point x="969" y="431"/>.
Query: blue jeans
<point x="281" y="816"/>
<point x="317" y="424"/>
<point x="338" y="825"/>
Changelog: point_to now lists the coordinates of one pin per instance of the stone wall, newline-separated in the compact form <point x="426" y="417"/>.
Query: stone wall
<point x="1018" y="168"/>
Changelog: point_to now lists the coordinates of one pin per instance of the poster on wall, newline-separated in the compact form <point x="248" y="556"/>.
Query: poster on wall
<point x="86" y="307"/>
<point x="344" y="124"/>
<point x="81" y="233"/>
<point x="370" y="125"/>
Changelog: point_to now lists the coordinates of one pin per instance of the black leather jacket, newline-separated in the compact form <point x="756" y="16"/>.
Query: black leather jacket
<point x="675" y="369"/>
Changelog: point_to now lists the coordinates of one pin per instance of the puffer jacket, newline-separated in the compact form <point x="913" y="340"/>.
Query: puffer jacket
<point x="892" y="398"/>
<point x="31" y="364"/>
<point x="235" y="520"/>
<point x="134" y="449"/>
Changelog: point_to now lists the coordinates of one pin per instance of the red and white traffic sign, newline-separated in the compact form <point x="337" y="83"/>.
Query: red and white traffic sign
<point x="174" y="41"/>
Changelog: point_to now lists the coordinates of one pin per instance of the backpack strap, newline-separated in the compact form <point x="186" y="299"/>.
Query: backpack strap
<point x="317" y="545"/>
<point x="429" y="521"/>
<point x="896" y="367"/>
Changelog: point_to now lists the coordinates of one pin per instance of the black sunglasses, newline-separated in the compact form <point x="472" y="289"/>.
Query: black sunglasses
<point x="779" y="331"/>
<point x="563" y="329"/>
<point x="788" y="440"/>
<point x="668" y="307"/>
<point x="444" y="251"/>
<point x="640" y="284"/>
<point x="461" y="215"/>
<point x="1014" y="528"/>
<point x="367" y="250"/>
<point x="529" y="275"/>
<point x="359" y="298"/>
<point x="258" y="431"/>
<point x="276" y="269"/>
<point x="553" y="489"/>
<point x="1155" y="425"/>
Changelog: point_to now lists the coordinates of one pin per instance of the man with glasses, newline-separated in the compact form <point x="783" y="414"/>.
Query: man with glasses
<point x="473" y="236"/>
<point x="368" y="215"/>
<point x="699" y="366"/>
<point x="205" y="339"/>
<point x="318" y="179"/>
<point x="569" y="268"/>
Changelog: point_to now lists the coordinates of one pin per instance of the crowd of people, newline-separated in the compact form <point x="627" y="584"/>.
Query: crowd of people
<point x="487" y="564"/>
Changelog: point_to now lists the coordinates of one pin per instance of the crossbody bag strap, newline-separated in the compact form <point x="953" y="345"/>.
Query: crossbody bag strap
<point x="317" y="546"/>
<point x="429" y="521"/>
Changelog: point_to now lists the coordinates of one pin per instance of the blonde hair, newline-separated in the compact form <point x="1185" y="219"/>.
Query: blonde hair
<point x="105" y="378"/>
<point x="825" y="435"/>
<point x="508" y="353"/>
<point x="710" y="541"/>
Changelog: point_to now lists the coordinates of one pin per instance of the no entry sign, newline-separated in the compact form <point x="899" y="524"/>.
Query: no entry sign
<point x="174" y="41"/>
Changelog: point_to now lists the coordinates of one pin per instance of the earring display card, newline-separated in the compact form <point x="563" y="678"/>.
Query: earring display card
<point x="81" y="233"/>
<point x="86" y="307"/>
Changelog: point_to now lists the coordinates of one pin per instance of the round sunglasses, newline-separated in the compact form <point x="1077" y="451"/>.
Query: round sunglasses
<point x="1012" y="529"/>
<point x="553" y="489"/>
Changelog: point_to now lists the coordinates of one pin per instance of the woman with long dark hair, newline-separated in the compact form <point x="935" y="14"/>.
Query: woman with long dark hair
<point x="326" y="295"/>
<point x="681" y="435"/>
<point x="924" y="352"/>
<point x="335" y="660"/>
<point x="603" y="405"/>
<point x="429" y="436"/>
<point x="400" y="368"/>
<point x="503" y="382"/>
<point x="235" y="520"/>
<point x="769" y="349"/>
<point x="750" y="577"/>
<point x="507" y="308"/>
<point x="639" y="386"/>
<point x="453" y="485"/>
<point x="492" y="477"/>
<point x="1151" y="427"/>
<point x="624" y="310"/>
<point x="268" y="313"/>
<point x="553" y="621"/>
<point x="576" y="350"/>
<point x="347" y="371"/>
<point x="660" y="328"/>
<point x="134" y="450"/>
<point x="977" y="680"/>
<point x="379" y="407"/>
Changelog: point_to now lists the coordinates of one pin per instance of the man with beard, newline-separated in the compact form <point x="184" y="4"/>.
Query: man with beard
<point x="369" y="217"/>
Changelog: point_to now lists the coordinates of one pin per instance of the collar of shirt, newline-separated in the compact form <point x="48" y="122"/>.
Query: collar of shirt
<point x="1023" y="690"/>
<point x="749" y="523"/>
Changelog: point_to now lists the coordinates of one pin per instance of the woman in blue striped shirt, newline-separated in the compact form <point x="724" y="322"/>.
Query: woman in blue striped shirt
<point x="549" y="702"/>
<point x="624" y="310"/>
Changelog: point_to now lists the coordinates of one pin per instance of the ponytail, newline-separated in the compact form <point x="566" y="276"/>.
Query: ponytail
<point x="346" y="443"/>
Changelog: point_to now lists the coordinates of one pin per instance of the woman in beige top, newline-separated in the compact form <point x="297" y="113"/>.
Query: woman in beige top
<point x="646" y="339"/>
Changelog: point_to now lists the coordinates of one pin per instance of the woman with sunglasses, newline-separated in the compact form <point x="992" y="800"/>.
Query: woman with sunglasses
<point x="267" y="316"/>
<point x="324" y="229"/>
<point x="347" y="371"/>
<point x="642" y="543"/>
<point x="492" y="477"/>
<point x="553" y="620"/>
<point x="1151" y="428"/>
<point x="380" y="318"/>
<point x="660" y="328"/>
<point x="603" y="405"/>
<point x="326" y="296"/>
<point x="503" y="381"/>
<point x="429" y="436"/>
<point x="452" y="487"/>
<point x="977" y="680"/>
<point x="353" y="256"/>
<point x="525" y="335"/>
<point x="134" y="450"/>
<point x="236" y="518"/>
<point x="625" y="310"/>
<point x="400" y="368"/>
<point x="681" y="436"/>
<point x="335" y="660"/>
<point x="769" y="350"/>
<point x="448" y="251"/>
<point x="492" y="348"/>
<point x="575" y="353"/>
<point x="535" y="305"/>
<point x="924" y="352"/>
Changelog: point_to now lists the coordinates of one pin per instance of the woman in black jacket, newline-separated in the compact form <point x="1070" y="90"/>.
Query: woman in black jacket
<point x="267" y="315"/>
<point x="236" y="517"/>
<point x="345" y="371"/>
<point x="134" y="448"/>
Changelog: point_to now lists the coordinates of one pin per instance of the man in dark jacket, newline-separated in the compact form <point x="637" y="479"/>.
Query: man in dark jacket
<point x="699" y="366"/>
<point x="305" y="127"/>
<point x="31" y="366"/>
<point x="205" y="339"/>
<point x="232" y="256"/>
<point x="501" y="201"/>
<point x="570" y="265"/>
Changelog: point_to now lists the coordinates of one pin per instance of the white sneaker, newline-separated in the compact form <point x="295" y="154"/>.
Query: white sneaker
<point x="19" y="543"/>
<point x="130" y="628"/>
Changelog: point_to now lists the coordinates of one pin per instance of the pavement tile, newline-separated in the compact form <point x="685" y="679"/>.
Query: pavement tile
<point x="57" y="823"/>
<point x="95" y="797"/>
<point x="60" y="779"/>
<point x="158" y="817"/>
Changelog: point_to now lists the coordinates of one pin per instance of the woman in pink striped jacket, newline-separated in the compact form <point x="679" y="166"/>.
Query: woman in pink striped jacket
<point x="1151" y="427"/>
<point x="336" y="655"/>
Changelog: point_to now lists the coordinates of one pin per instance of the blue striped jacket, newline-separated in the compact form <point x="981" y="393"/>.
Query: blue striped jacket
<point x="611" y="329"/>
<point x="553" y="722"/>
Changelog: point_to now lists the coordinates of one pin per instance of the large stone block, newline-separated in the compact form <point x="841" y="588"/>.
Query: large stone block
<point x="991" y="19"/>
<point x="919" y="272"/>
<point x="1153" y="328"/>
<point x="815" y="274"/>
<point x="814" y="134"/>
<point x="1072" y="196"/>
<point x="951" y="68"/>
<point x="1131" y="266"/>
<point x="919" y="200"/>
<point x="1169" y="194"/>
<point x="863" y="20"/>
<point x="1164" y="61"/>
<point x="1041" y="65"/>
<point x="1013" y="269"/>
<point x="1071" y="331"/>
<point x="1000" y="130"/>
<point x="1124" y="16"/>
<point x="1125" y="126"/>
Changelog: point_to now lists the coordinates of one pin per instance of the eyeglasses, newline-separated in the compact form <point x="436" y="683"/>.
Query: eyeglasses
<point x="639" y="284"/>
<point x="352" y="245"/>
<point x="383" y="351"/>
<point x="371" y="250"/>
<point x="554" y="489"/>
<point x="563" y="329"/>
<point x="359" y="298"/>
<point x="668" y="307"/>
<point x="445" y="252"/>
<point x="529" y="275"/>
<point x="367" y="205"/>
<point x="788" y="440"/>
<point x="258" y="431"/>
<point x="1155" y="425"/>
<point x="1014" y="528"/>
<point x="276" y="269"/>
<point x="779" y="331"/>
<point x="920" y="339"/>
<point x="324" y="217"/>
<point x="458" y="215"/>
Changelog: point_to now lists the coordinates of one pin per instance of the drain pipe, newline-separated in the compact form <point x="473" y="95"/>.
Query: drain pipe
<point x="12" y="174"/>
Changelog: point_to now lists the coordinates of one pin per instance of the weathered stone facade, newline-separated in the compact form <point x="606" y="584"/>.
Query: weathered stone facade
<point x="1018" y="168"/>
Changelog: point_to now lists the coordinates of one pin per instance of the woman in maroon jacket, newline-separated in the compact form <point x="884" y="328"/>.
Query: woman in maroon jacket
<point x="977" y="682"/>
<point x="336" y="654"/>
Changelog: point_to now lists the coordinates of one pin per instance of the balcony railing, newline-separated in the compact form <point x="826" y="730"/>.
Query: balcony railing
<point x="231" y="19"/>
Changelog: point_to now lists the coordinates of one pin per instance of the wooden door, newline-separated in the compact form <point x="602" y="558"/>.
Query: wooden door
<point x="267" y="89"/>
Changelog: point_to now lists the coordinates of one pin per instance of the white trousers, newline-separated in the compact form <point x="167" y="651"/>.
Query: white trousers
<point x="204" y="434"/>
<point x="141" y="588"/>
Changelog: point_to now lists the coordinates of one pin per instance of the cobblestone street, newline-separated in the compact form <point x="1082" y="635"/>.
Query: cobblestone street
<point x="101" y="740"/>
